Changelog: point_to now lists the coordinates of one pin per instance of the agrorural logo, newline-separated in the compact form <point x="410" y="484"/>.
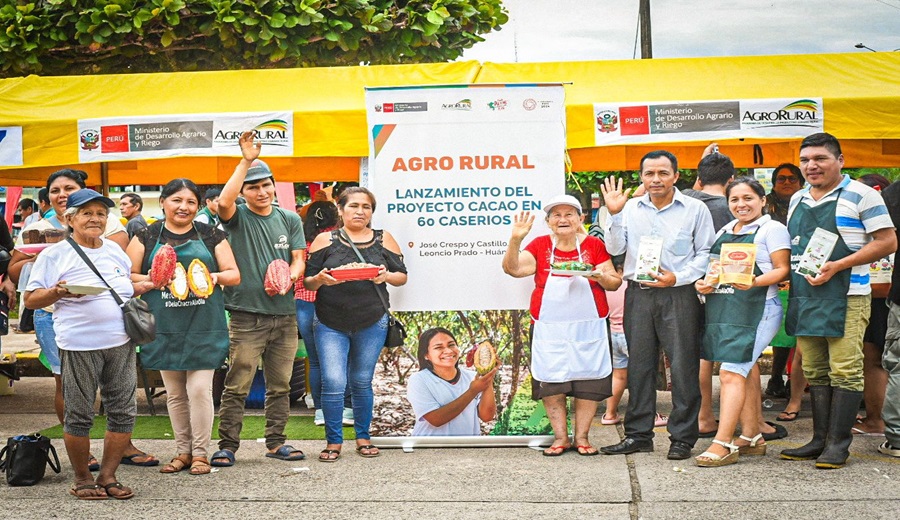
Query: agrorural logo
<point x="803" y="112"/>
<point x="462" y="104"/>
<point x="272" y="132"/>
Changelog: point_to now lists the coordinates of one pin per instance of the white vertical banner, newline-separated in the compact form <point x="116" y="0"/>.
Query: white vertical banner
<point x="450" y="166"/>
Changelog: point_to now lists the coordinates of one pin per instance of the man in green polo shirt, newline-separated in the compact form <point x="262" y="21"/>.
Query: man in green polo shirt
<point x="261" y="324"/>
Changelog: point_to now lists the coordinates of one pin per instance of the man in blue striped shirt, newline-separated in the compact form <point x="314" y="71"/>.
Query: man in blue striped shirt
<point x="664" y="312"/>
<point x="829" y="311"/>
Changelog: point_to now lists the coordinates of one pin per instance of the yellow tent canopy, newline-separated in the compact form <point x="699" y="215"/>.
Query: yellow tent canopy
<point x="860" y="92"/>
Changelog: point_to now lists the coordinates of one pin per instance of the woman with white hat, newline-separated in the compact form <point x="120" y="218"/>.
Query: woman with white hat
<point x="570" y="349"/>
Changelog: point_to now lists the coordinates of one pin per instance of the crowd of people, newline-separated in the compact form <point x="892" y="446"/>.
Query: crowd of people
<point x="649" y="276"/>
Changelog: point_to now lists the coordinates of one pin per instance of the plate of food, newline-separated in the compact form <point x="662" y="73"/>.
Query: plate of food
<point x="571" y="269"/>
<point x="89" y="290"/>
<point x="32" y="249"/>
<point x="355" y="271"/>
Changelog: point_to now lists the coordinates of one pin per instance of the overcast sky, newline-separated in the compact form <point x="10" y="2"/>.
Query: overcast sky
<point x="575" y="30"/>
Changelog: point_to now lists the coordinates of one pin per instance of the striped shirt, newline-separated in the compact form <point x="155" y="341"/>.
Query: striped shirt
<point x="860" y="212"/>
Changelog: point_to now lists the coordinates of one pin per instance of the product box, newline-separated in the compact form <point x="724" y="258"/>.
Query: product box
<point x="713" y="271"/>
<point x="737" y="262"/>
<point x="817" y="252"/>
<point x="649" y="253"/>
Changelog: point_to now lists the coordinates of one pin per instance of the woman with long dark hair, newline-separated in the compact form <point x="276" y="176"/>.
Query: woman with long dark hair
<point x="351" y="320"/>
<point x="321" y="217"/>
<point x="191" y="332"/>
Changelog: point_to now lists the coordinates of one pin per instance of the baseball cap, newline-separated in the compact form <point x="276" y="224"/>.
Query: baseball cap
<point x="561" y="200"/>
<point x="258" y="171"/>
<point x="82" y="197"/>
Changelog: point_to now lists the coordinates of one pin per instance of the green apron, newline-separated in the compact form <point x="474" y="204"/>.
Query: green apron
<point x="816" y="310"/>
<point x="732" y="316"/>
<point x="190" y="334"/>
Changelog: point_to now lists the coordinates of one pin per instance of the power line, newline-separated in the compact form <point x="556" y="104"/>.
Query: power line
<point x="637" y="33"/>
<point x="887" y="4"/>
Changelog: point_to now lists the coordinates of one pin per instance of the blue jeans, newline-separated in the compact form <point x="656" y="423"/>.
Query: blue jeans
<point x="348" y="356"/>
<point x="46" y="338"/>
<point x="306" y="313"/>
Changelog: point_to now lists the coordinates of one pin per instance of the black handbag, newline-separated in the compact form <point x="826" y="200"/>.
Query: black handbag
<point x="140" y="324"/>
<point x="25" y="459"/>
<point x="396" y="332"/>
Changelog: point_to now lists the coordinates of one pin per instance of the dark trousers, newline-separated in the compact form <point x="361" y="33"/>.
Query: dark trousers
<point x="669" y="318"/>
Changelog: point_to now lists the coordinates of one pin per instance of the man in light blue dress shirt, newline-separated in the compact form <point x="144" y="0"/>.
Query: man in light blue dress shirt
<point x="664" y="312"/>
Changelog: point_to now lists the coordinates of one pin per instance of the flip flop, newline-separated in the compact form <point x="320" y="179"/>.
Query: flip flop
<point x="556" y="451"/>
<point x="863" y="433"/>
<point x="128" y="460"/>
<point x="286" y="452"/>
<point x="787" y="416"/>
<point x="84" y="487"/>
<point x="328" y="455"/>
<point x="615" y="420"/>
<point x="779" y="433"/>
<point x="585" y="451"/>
<point x="369" y="447"/>
<point x="118" y="485"/>
<point x="222" y="454"/>
<point x="93" y="463"/>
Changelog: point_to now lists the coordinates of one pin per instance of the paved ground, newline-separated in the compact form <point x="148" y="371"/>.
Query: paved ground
<point x="466" y="483"/>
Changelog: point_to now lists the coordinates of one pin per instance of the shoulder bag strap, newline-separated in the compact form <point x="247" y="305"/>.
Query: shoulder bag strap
<point x="91" y="265"/>
<point x="346" y="237"/>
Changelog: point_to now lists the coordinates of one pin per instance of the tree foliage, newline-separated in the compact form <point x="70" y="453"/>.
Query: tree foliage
<point x="66" y="37"/>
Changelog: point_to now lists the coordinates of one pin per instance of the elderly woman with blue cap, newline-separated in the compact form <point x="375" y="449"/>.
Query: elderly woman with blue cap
<point x="95" y="351"/>
<point x="570" y="349"/>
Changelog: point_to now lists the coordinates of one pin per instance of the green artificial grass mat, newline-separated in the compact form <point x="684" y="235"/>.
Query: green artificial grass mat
<point x="159" y="427"/>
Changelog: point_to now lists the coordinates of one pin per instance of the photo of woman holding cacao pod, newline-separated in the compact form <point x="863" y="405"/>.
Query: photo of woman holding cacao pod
<point x="570" y="353"/>
<point x="187" y="262"/>
<point x="351" y="321"/>
<point x="446" y="399"/>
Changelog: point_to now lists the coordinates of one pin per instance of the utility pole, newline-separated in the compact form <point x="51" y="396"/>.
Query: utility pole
<point x="646" y="38"/>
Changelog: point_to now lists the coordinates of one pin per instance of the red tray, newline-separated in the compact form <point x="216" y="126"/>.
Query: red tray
<point x="361" y="273"/>
<point x="31" y="249"/>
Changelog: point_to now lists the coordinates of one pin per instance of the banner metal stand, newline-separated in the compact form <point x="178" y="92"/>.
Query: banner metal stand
<point x="408" y="444"/>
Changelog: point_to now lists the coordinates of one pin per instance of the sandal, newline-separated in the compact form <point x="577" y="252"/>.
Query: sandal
<point x="587" y="450"/>
<point x="616" y="419"/>
<point x="200" y="466"/>
<point x="755" y="447"/>
<point x="77" y="490"/>
<point x="326" y="455"/>
<point x="177" y="464"/>
<point x="126" y="492"/>
<point x="368" y="448"/>
<point x="787" y="416"/>
<point x="708" y="459"/>
<point x="93" y="463"/>
<point x="556" y="451"/>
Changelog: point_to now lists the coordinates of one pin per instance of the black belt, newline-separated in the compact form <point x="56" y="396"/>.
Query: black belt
<point x="637" y="285"/>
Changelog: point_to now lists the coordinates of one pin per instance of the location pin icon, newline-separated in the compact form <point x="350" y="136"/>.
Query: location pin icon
<point x="411" y="244"/>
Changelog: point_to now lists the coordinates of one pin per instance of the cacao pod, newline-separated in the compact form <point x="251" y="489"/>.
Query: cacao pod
<point x="163" y="267"/>
<point x="278" y="277"/>
<point x="485" y="358"/>
<point x="179" y="286"/>
<point x="199" y="279"/>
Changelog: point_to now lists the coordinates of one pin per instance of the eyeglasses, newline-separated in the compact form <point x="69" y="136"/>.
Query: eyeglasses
<point x="789" y="180"/>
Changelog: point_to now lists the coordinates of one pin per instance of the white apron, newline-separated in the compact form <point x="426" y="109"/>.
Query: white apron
<point x="569" y="341"/>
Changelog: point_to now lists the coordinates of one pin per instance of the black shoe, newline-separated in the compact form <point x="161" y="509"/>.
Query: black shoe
<point x="779" y="433"/>
<point x="679" y="451"/>
<point x="629" y="445"/>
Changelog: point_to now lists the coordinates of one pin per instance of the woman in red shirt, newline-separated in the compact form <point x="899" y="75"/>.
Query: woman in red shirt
<point x="570" y="349"/>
